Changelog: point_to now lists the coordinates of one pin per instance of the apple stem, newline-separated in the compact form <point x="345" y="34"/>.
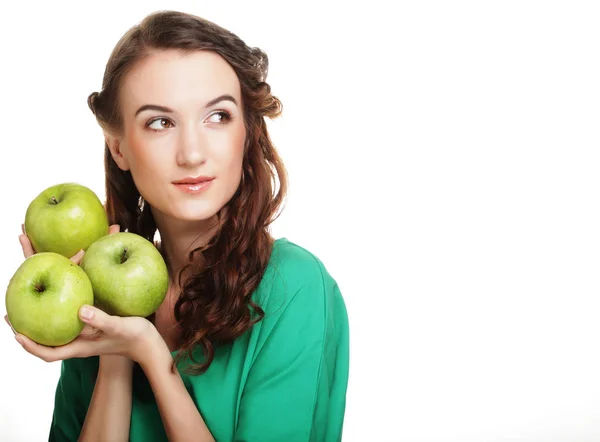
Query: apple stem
<point x="54" y="200"/>
<point x="40" y="288"/>
<point x="124" y="256"/>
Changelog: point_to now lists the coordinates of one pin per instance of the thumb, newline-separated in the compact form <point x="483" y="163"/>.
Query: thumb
<point x="97" y="318"/>
<point x="77" y="257"/>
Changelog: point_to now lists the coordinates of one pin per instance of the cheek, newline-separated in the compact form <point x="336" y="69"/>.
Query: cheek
<point x="229" y="153"/>
<point x="136" y="150"/>
<point x="143" y="164"/>
<point x="146" y="160"/>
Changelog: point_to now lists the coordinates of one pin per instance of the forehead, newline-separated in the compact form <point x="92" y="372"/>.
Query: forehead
<point x="174" y="78"/>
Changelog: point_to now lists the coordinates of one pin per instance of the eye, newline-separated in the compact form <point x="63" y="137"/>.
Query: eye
<point x="159" y="124"/>
<point x="220" y="117"/>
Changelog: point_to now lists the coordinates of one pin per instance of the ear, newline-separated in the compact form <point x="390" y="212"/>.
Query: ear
<point x="114" y="146"/>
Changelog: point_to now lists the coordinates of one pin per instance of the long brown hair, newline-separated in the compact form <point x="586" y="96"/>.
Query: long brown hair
<point x="215" y="305"/>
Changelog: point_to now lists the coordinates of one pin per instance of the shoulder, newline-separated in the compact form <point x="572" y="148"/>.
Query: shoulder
<point x="296" y="279"/>
<point x="295" y="263"/>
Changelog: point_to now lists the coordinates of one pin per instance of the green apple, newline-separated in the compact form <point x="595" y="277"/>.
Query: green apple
<point x="128" y="274"/>
<point x="64" y="219"/>
<point x="44" y="296"/>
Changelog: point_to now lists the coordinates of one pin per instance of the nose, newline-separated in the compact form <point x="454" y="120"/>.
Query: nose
<point x="191" y="149"/>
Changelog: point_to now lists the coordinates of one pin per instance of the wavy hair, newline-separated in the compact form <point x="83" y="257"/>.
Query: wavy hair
<point x="214" y="306"/>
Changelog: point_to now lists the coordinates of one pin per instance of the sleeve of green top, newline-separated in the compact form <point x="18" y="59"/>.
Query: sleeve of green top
<point x="296" y="388"/>
<point x="69" y="410"/>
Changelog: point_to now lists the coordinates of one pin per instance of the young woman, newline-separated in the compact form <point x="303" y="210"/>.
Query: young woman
<point x="252" y="341"/>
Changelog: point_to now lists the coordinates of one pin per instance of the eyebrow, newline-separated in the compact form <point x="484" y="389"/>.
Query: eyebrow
<point x="225" y="97"/>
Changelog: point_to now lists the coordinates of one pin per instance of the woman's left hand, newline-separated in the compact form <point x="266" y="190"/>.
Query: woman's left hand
<point x="103" y="334"/>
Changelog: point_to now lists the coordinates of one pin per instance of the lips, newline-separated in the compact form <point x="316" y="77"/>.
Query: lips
<point x="194" y="186"/>
<point x="194" y="180"/>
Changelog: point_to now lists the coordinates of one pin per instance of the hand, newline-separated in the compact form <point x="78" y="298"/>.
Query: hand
<point x="103" y="334"/>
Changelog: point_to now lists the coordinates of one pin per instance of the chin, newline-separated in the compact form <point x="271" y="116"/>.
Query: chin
<point x="196" y="216"/>
<point x="195" y="212"/>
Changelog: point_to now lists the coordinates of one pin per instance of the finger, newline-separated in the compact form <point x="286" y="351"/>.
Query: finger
<point x="26" y="245"/>
<point x="74" y="349"/>
<point x="77" y="257"/>
<point x="9" y="324"/>
<point x="23" y="228"/>
<point x="115" y="228"/>
<point x="89" y="332"/>
<point x="95" y="317"/>
<point x="42" y="352"/>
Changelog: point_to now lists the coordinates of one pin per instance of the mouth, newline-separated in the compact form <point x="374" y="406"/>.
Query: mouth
<point x="193" y="180"/>
<point x="193" y="185"/>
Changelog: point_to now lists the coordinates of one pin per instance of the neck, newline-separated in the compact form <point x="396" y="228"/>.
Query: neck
<point x="178" y="238"/>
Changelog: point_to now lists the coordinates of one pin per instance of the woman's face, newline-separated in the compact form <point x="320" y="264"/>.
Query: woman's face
<point x="182" y="123"/>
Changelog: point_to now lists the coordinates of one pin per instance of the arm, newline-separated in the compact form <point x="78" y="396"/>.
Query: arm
<point x="109" y="413"/>
<point x="181" y="419"/>
<point x="138" y="340"/>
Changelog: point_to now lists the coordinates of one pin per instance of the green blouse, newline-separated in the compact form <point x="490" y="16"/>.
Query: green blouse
<point x="284" y="380"/>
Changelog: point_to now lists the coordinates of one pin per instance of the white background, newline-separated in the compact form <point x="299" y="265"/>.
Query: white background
<point x="444" y="164"/>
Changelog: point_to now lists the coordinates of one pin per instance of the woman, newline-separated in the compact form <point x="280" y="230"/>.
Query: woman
<point x="251" y="342"/>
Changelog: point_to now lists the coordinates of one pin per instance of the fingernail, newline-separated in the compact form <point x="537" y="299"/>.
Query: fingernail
<point x="86" y="313"/>
<point x="23" y="228"/>
<point x="19" y="340"/>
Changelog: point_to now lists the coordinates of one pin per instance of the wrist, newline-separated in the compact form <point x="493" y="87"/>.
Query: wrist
<point x="152" y="348"/>
<point x="115" y="365"/>
<point x="157" y="354"/>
